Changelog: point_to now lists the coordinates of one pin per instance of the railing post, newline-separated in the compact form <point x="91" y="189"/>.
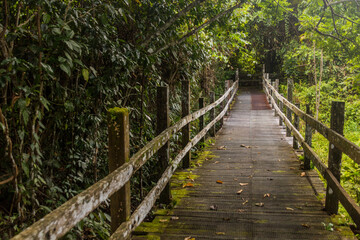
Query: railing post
<point x="281" y="106"/>
<point x="290" y="84"/>
<point x="118" y="128"/>
<point x="296" y="125"/>
<point x="334" y="161"/>
<point x="163" y="122"/>
<point x="201" y="121"/>
<point x="227" y="86"/>
<point x="212" y="130"/>
<point x="308" y="139"/>
<point x="186" y="129"/>
<point x="275" y="98"/>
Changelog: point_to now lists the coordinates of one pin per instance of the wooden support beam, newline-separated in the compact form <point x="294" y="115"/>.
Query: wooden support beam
<point x="335" y="154"/>
<point x="290" y="86"/>
<point x="308" y="139"/>
<point x="118" y="127"/>
<point x="281" y="106"/>
<point x="185" y="103"/>
<point x="201" y="120"/>
<point x="212" y="115"/>
<point x="297" y="126"/>
<point x="163" y="122"/>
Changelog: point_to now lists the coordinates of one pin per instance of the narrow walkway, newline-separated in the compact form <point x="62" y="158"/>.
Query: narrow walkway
<point x="262" y="195"/>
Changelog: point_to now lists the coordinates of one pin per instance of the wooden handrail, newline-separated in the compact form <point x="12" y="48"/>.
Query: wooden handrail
<point x="57" y="223"/>
<point x="144" y="208"/>
<point x="349" y="204"/>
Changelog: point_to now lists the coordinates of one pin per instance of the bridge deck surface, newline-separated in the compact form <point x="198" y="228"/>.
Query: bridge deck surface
<point x="276" y="202"/>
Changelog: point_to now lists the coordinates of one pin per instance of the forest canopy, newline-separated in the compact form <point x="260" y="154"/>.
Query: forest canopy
<point x="63" y="63"/>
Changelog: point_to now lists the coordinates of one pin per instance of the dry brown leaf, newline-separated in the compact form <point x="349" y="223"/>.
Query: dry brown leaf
<point x="239" y="192"/>
<point x="289" y="208"/>
<point x="260" y="204"/>
<point x="242" y="145"/>
<point x="245" y="202"/>
<point x="214" y="207"/>
<point x="303" y="174"/>
<point x="188" y="185"/>
<point x="189" y="238"/>
<point x="235" y="179"/>
<point x="266" y="195"/>
<point x="243" y="184"/>
<point x="219" y="182"/>
<point x="222" y="148"/>
<point x="240" y="210"/>
<point x="292" y="168"/>
<point x="220" y="233"/>
<point x="174" y="218"/>
<point x="163" y="220"/>
<point x="305" y="225"/>
<point x="226" y="219"/>
<point x="216" y="162"/>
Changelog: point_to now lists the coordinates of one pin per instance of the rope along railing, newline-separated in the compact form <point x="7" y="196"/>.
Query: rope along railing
<point x="57" y="223"/>
<point x="335" y="192"/>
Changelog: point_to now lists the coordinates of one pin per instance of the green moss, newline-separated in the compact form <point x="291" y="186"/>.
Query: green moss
<point x="261" y="221"/>
<point x="278" y="171"/>
<point x="116" y="113"/>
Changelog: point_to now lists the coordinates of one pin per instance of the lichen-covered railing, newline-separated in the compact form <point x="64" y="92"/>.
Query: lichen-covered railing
<point x="338" y="144"/>
<point x="57" y="223"/>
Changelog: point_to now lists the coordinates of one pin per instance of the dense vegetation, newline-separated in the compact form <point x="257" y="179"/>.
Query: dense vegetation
<point x="64" y="63"/>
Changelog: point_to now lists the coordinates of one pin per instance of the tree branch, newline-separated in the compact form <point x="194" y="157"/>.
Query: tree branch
<point x="197" y="29"/>
<point x="170" y="21"/>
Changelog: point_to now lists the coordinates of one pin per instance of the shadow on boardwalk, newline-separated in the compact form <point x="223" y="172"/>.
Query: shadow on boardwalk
<point x="262" y="195"/>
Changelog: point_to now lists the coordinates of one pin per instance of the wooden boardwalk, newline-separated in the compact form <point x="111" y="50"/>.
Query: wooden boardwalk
<point x="276" y="202"/>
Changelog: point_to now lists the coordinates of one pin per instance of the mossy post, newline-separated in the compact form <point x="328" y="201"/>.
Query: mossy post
<point x="185" y="105"/>
<point x="297" y="126"/>
<point x="212" y="130"/>
<point x="290" y="87"/>
<point x="163" y="122"/>
<point x="201" y="121"/>
<point x="118" y="127"/>
<point x="281" y="106"/>
<point x="334" y="161"/>
<point x="308" y="139"/>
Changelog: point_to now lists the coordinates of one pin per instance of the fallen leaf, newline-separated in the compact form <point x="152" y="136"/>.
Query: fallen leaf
<point x="305" y="225"/>
<point x="216" y="162"/>
<point x="242" y="145"/>
<point x="259" y="204"/>
<point x="266" y="195"/>
<point x="222" y="148"/>
<point x="289" y="208"/>
<point x="219" y="182"/>
<point x="240" y="210"/>
<point x="270" y="179"/>
<point x="245" y="202"/>
<point x="243" y="184"/>
<point x="189" y="238"/>
<point x="197" y="164"/>
<point x="174" y="218"/>
<point x="235" y="179"/>
<point x="188" y="185"/>
<point x="292" y="168"/>
<point x="226" y="219"/>
<point x="239" y="192"/>
<point x="214" y="207"/>
<point x="303" y="174"/>
<point x="220" y="233"/>
<point x="163" y="220"/>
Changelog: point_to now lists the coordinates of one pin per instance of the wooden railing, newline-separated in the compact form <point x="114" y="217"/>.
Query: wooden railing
<point x="57" y="223"/>
<point x="338" y="144"/>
